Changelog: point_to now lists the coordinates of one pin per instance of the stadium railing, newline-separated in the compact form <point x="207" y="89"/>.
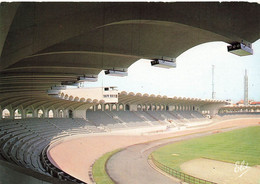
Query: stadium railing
<point x="180" y="175"/>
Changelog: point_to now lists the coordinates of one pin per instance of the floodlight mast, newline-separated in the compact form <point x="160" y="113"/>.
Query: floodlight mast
<point x="213" y="82"/>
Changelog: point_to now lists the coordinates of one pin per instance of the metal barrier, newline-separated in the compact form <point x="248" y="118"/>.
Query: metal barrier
<point x="180" y="175"/>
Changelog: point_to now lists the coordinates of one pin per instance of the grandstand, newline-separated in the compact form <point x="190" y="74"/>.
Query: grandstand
<point x="25" y="142"/>
<point x="48" y="49"/>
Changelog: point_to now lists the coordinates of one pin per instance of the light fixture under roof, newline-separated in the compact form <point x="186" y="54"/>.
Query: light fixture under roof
<point x="240" y="49"/>
<point x="162" y="63"/>
<point x="87" y="79"/>
<point x="70" y="83"/>
<point x="118" y="73"/>
<point x="59" y="87"/>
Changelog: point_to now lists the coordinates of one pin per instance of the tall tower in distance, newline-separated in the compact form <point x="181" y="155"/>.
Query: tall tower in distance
<point x="213" y="83"/>
<point x="246" y="88"/>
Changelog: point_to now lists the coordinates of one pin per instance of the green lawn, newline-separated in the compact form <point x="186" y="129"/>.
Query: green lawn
<point x="99" y="171"/>
<point x="236" y="145"/>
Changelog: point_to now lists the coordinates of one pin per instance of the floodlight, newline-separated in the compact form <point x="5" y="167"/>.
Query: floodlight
<point x="163" y="63"/>
<point x="240" y="49"/>
<point x="87" y="79"/>
<point x="61" y="87"/>
<point x="118" y="73"/>
<point x="53" y="92"/>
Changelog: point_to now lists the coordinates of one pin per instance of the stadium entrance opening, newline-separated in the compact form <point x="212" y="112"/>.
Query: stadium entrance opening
<point x="70" y="114"/>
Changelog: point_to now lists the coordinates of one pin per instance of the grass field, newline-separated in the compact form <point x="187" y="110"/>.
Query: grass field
<point x="237" y="145"/>
<point x="99" y="170"/>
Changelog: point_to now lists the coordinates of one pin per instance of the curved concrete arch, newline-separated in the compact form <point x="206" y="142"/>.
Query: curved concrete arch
<point x="76" y="99"/>
<point x="89" y="100"/>
<point x="62" y="95"/>
<point x="95" y="101"/>
<point x="9" y="101"/>
<point x="138" y="94"/>
<point x="101" y="102"/>
<point x="66" y="97"/>
<point x="71" y="98"/>
<point x="123" y="93"/>
<point x="21" y="102"/>
<point x="131" y="93"/>
<point x="82" y="100"/>
<point x="145" y="95"/>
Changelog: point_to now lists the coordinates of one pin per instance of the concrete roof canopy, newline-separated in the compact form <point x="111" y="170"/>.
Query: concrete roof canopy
<point x="44" y="44"/>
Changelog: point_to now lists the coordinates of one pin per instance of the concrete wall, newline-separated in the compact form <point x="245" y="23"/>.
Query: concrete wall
<point x="79" y="114"/>
<point x="212" y="108"/>
<point x="133" y="107"/>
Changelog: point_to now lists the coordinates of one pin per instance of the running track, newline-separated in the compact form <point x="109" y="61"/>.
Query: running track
<point x="75" y="156"/>
<point x="131" y="165"/>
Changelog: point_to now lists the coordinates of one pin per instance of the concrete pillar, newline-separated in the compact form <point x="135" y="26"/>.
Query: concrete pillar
<point x="66" y="113"/>
<point x="55" y="113"/>
<point x="11" y="114"/>
<point x="45" y="113"/>
<point x="35" y="113"/>
<point x="23" y="113"/>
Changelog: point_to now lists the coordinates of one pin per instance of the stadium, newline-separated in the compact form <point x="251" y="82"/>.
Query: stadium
<point x="53" y="130"/>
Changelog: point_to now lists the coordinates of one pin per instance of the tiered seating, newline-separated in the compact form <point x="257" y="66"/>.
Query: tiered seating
<point x="22" y="141"/>
<point x="178" y="116"/>
<point x="186" y="115"/>
<point x="147" y="117"/>
<point x="88" y="125"/>
<point x="197" y="115"/>
<point x="105" y="119"/>
<point x="240" y="113"/>
<point x="156" y="115"/>
<point x="130" y="118"/>
<point x="19" y="143"/>
<point x="100" y="118"/>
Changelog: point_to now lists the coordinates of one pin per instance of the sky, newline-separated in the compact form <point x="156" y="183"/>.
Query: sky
<point x="193" y="75"/>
